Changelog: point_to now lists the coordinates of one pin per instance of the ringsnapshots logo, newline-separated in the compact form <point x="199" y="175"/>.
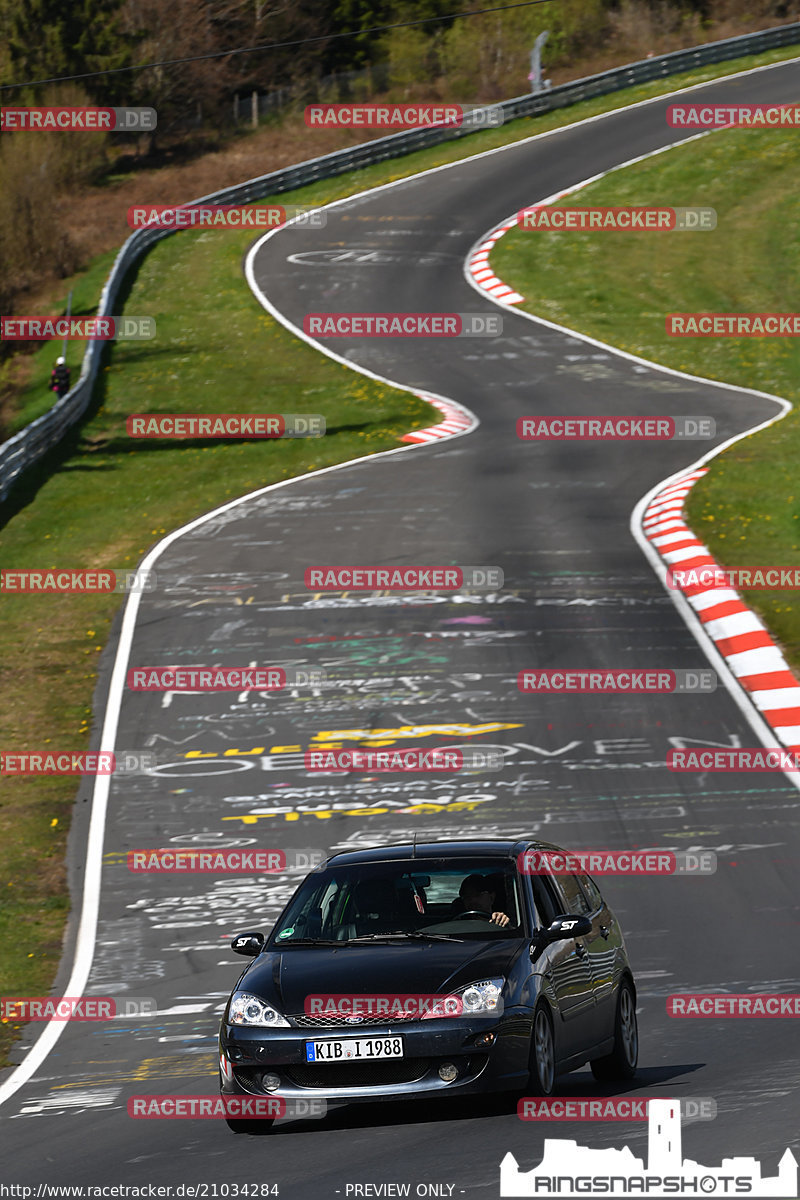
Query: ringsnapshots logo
<point x="757" y="758"/>
<point x="567" y="1169"/>
<point x="615" y="429"/>
<point x="111" y="120"/>
<point x="55" y="580"/>
<point x="653" y="681"/>
<point x="77" y="329"/>
<point x="622" y="219"/>
<point x="419" y="325"/>
<point x="224" y="216"/>
<point x="408" y="758"/>
<point x="402" y="578"/>
<point x="74" y="1008"/>
<point x="616" y="862"/>
<point x="733" y="325"/>
<point x="753" y="579"/>
<point x="226" y="1107"/>
<point x="225" y="425"/>
<point x="747" y="116"/>
<point x="223" y="679"/>
<point x="401" y="116"/>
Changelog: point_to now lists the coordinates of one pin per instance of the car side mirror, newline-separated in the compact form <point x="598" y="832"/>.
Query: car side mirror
<point x="568" y="927"/>
<point x="249" y="944"/>
<point x="561" y="930"/>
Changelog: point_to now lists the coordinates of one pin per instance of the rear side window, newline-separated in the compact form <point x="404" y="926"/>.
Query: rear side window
<point x="577" y="904"/>
<point x="592" y="891"/>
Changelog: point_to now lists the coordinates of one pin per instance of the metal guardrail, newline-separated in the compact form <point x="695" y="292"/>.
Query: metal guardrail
<point x="31" y="443"/>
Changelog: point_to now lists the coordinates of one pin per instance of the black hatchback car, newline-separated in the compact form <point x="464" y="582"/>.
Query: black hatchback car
<point x="408" y="971"/>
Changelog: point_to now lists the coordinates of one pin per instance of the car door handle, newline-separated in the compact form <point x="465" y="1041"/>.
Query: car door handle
<point x="580" y="950"/>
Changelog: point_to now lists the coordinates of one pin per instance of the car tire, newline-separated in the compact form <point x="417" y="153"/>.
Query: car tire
<point x="621" y="1062"/>
<point x="542" y="1063"/>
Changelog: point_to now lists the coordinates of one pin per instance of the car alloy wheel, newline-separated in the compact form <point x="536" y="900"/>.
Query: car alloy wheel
<point x="628" y="1031"/>
<point x="543" y="1053"/>
<point x="621" y="1062"/>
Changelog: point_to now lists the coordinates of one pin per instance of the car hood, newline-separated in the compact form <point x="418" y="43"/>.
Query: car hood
<point x="286" y="977"/>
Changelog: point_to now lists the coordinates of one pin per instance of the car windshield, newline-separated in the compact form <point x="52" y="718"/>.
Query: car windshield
<point x="403" y="901"/>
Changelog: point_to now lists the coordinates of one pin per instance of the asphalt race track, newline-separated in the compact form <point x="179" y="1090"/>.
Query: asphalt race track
<point x="582" y="771"/>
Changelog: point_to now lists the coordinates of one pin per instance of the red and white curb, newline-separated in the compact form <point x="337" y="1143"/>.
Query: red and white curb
<point x="478" y="266"/>
<point x="457" y="420"/>
<point x="740" y="637"/>
<point x="477" y="263"/>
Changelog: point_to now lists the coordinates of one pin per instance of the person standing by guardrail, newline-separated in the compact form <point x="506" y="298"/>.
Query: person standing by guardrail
<point x="59" y="378"/>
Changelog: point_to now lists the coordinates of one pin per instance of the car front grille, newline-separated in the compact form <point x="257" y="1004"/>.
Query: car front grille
<point x="306" y="1021"/>
<point x="366" y="1074"/>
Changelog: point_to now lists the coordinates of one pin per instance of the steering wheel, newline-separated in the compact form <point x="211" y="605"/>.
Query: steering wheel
<point x="474" y="912"/>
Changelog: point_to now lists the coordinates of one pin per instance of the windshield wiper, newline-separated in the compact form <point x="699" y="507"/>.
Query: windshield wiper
<point x="307" y="942"/>
<point x="413" y="933"/>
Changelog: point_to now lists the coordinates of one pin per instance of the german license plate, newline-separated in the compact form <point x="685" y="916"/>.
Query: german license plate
<point x="355" y="1050"/>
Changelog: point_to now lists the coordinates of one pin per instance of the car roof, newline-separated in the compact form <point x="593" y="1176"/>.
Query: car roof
<point x="500" y="848"/>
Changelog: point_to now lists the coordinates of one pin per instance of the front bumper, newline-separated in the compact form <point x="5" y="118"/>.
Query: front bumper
<point x="497" y="1062"/>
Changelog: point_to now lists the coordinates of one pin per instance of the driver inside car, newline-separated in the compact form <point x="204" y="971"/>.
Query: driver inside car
<point x="477" y="896"/>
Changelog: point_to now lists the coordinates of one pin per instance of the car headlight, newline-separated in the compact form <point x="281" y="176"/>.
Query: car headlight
<point x="474" y="999"/>
<point x="247" y="1009"/>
